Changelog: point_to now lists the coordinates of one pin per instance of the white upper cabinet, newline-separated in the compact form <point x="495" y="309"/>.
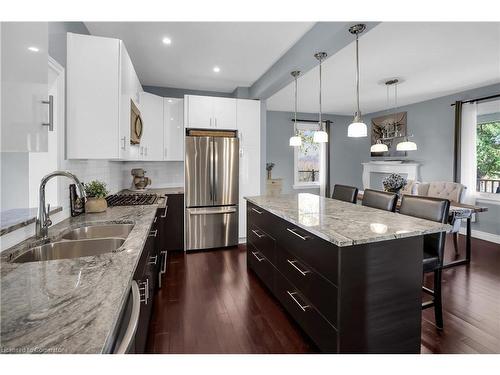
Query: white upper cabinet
<point x="199" y="111"/>
<point x="24" y="87"/>
<point x="248" y="120"/>
<point x="173" y="117"/>
<point x="224" y="113"/>
<point x="152" y="120"/>
<point x="208" y="112"/>
<point x="101" y="83"/>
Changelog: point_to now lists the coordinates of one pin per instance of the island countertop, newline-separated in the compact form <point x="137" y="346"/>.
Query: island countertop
<point x="342" y="223"/>
<point x="70" y="305"/>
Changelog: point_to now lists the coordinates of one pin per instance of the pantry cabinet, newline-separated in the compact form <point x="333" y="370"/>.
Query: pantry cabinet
<point x="248" y="125"/>
<point x="101" y="86"/>
<point x="24" y="87"/>
<point x="208" y="112"/>
<point x="173" y="119"/>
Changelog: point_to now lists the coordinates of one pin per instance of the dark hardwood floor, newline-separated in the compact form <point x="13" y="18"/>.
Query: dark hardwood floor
<point x="210" y="303"/>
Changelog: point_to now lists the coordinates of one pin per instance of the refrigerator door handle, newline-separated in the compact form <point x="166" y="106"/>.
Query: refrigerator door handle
<point x="211" y="171"/>
<point x="212" y="210"/>
<point x="215" y="155"/>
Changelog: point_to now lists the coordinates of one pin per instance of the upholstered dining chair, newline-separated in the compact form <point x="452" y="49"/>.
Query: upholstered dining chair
<point x="380" y="199"/>
<point x="454" y="192"/>
<point x="345" y="193"/>
<point x="435" y="209"/>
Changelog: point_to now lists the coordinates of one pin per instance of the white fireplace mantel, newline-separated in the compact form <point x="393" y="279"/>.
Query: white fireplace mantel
<point x="410" y="169"/>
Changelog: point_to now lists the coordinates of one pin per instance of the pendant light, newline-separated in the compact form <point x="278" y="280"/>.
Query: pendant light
<point x="320" y="136"/>
<point x="295" y="140"/>
<point x="406" y="145"/>
<point x="379" y="147"/>
<point x="357" y="128"/>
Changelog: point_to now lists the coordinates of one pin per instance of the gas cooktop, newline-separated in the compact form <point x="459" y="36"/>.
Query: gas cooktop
<point x="131" y="199"/>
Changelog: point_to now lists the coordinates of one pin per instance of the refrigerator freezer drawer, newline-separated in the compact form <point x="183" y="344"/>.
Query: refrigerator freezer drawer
<point x="211" y="227"/>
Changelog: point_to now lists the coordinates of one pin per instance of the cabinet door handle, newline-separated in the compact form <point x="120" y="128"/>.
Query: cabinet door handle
<point x="164" y="264"/>
<point x="165" y="153"/>
<point x="293" y="264"/>
<point x="124" y="139"/>
<point x="303" y="238"/>
<point x="153" y="260"/>
<point x="146" y="151"/>
<point x="257" y="234"/>
<point x="292" y="296"/>
<point x="153" y="233"/>
<point x="210" y="121"/>
<point x="165" y="212"/>
<point x="50" y="102"/>
<point x="256" y="210"/>
<point x="216" y="122"/>
<point x="154" y="221"/>
<point x="256" y="256"/>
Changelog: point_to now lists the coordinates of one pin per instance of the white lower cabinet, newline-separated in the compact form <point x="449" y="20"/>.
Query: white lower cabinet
<point x="173" y="125"/>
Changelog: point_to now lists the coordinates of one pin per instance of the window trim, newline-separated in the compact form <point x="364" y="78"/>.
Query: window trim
<point x="481" y="195"/>
<point x="307" y="185"/>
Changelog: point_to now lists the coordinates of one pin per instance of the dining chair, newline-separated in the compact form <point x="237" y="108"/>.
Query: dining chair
<point x="380" y="199"/>
<point x="435" y="209"/>
<point x="345" y="193"/>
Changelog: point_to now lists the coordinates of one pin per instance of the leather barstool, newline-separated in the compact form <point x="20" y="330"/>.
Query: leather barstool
<point x="380" y="199"/>
<point x="435" y="209"/>
<point x="345" y="193"/>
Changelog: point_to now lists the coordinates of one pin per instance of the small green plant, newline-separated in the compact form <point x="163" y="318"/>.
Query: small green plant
<point x="96" y="189"/>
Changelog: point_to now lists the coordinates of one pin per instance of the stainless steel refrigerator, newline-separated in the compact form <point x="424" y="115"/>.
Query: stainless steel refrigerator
<point x="211" y="190"/>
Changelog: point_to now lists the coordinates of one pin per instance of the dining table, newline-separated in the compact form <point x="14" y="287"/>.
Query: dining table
<point x="458" y="211"/>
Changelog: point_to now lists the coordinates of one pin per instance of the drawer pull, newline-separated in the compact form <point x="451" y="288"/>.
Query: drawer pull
<point x="156" y="217"/>
<point x="304" y="238"/>
<point x="293" y="264"/>
<point x="256" y="256"/>
<point x="144" y="287"/>
<point x="153" y="233"/>
<point x="153" y="260"/>
<point x="292" y="296"/>
<point x="164" y="215"/>
<point x="257" y="234"/>
<point x="256" y="210"/>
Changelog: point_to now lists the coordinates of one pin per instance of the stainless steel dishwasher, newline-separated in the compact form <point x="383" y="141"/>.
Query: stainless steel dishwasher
<point x="125" y="337"/>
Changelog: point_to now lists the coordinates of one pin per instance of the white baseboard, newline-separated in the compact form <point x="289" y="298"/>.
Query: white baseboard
<point x="242" y="240"/>
<point x="483" y="235"/>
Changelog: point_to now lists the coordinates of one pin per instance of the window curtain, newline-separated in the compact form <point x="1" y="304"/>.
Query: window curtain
<point x="468" y="163"/>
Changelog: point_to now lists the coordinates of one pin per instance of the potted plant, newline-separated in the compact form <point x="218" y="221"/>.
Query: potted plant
<point x="96" y="193"/>
<point x="394" y="183"/>
<point x="269" y="168"/>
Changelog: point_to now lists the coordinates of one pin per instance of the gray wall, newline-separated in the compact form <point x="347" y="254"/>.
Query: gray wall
<point x="57" y="38"/>
<point x="279" y="131"/>
<point x="171" y="92"/>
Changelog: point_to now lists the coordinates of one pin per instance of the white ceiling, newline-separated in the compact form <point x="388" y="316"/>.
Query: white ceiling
<point x="433" y="60"/>
<point x="242" y="50"/>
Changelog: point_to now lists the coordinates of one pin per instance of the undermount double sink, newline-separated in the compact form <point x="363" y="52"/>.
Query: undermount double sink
<point x="80" y="242"/>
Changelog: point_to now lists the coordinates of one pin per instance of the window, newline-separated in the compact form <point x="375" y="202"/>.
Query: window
<point x="309" y="159"/>
<point x="488" y="149"/>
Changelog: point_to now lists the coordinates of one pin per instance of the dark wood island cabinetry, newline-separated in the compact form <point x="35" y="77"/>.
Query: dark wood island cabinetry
<point x="350" y="291"/>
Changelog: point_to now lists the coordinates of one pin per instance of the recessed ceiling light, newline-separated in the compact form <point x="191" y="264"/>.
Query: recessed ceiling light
<point x="216" y="69"/>
<point x="169" y="100"/>
<point x="33" y="49"/>
<point x="167" y="41"/>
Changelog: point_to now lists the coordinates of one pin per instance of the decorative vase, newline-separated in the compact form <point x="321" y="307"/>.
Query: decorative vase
<point x="94" y="205"/>
<point x="396" y="191"/>
<point x="269" y="174"/>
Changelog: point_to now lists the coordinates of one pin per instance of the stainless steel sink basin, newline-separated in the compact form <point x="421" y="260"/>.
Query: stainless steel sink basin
<point x="69" y="249"/>
<point x="100" y="231"/>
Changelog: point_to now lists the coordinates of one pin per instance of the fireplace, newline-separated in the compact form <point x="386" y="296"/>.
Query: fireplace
<point x="374" y="171"/>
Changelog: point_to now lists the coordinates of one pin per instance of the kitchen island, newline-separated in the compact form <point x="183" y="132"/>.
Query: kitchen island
<point x="349" y="275"/>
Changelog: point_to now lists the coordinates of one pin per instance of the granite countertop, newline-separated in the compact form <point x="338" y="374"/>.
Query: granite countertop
<point x="70" y="305"/>
<point x="342" y="223"/>
<point x="16" y="218"/>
